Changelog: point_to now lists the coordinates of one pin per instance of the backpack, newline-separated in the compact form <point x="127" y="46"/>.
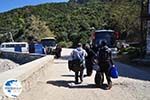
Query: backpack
<point x="75" y="65"/>
<point x="103" y="54"/>
<point x="79" y="55"/>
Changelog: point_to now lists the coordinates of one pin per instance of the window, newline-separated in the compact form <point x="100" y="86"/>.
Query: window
<point x="22" y="45"/>
<point x="107" y="36"/>
<point x="2" y="46"/>
<point x="48" y="42"/>
<point x="10" y="45"/>
<point x="15" y="45"/>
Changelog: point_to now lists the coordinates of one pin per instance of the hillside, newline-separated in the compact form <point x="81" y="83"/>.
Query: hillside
<point x="89" y="1"/>
<point x="71" y="21"/>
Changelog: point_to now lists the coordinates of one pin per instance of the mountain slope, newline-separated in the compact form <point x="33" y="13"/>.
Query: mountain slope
<point x="69" y="21"/>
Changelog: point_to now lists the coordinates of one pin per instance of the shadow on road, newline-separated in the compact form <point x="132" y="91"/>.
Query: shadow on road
<point x="60" y="83"/>
<point x="71" y="84"/>
<point x="132" y="72"/>
<point x="67" y="57"/>
<point x="67" y="75"/>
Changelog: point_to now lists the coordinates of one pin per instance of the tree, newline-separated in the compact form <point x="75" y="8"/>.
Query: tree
<point x="36" y="28"/>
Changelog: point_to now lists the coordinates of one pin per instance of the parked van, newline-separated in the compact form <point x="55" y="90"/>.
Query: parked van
<point x="107" y="35"/>
<point x="50" y="44"/>
<point x="15" y="47"/>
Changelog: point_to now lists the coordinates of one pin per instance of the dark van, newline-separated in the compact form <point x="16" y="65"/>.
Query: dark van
<point x="106" y="35"/>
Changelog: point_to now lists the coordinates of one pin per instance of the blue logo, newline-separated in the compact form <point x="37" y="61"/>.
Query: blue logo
<point x="12" y="88"/>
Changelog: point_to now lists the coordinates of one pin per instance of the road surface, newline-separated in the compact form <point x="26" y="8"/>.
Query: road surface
<point x="58" y="84"/>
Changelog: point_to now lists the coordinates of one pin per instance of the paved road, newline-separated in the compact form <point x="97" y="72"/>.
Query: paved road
<point x="58" y="84"/>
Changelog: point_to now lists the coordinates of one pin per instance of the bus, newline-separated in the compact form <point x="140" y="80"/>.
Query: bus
<point x="15" y="47"/>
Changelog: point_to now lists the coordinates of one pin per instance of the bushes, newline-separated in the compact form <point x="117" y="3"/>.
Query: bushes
<point x="65" y="44"/>
<point x="131" y="52"/>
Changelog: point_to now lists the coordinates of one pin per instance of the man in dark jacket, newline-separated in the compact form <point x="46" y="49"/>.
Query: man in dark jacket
<point x="58" y="51"/>
<point x="88" y="59"/>
<point x="105" y="59"/>
<point x="31" y="47"/>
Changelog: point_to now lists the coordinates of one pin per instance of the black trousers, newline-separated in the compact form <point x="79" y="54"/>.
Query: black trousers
<point x="89" y="67"/>
<point x="79" y="74"/>
<point x="104" y="68"/>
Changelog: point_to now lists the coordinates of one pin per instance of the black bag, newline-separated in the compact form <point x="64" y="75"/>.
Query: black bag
<point x="75" y="65"/>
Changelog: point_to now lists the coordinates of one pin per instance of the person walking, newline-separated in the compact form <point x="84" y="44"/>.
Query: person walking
<point x="31" y="46"/>
<point x="89" y="60"/>
<point x="104" y="61"/>
<point x="79" y="54"/>
<point x="58" y="51"/>
<point x="39" y="48"/>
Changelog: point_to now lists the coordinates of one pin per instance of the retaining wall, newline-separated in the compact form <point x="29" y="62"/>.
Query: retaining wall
<point x="20" y="58"/>
<point x="28" y="74"/>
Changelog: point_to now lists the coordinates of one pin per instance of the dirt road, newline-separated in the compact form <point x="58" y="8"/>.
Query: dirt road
<point x="58" y="84"/>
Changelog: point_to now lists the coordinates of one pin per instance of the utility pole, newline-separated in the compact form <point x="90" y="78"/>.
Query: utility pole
<point x="141" y="28"/>
<point x="148" y="29"/>
<point x="9" y="33"/>
<point x="11" y="37"/>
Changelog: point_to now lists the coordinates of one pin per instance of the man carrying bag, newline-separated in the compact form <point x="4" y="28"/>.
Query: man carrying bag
<point x="104" y="61"/>
<point x="78" y="62"/>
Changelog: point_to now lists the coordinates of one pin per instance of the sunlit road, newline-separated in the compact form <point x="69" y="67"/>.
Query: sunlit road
<point x="58" y="84"/>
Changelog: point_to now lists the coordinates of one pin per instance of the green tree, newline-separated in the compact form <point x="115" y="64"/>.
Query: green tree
<point x="36" y="28"/>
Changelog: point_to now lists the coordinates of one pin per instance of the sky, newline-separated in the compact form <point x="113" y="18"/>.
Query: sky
<point x="6" y="5"/>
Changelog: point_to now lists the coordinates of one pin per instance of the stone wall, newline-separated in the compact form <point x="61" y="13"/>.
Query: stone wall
<point x="28" y="74"/>
<point x="20" y="58"/>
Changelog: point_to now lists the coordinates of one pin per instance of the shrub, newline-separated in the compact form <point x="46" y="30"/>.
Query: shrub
<point x="131" y="52"/>
<point x="65" y="44"/>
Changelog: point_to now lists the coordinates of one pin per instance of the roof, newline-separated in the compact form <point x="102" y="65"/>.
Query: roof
<point x="104" y="30"/>
<point x="14" y="43"/>
<point x="48" y="38"/>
